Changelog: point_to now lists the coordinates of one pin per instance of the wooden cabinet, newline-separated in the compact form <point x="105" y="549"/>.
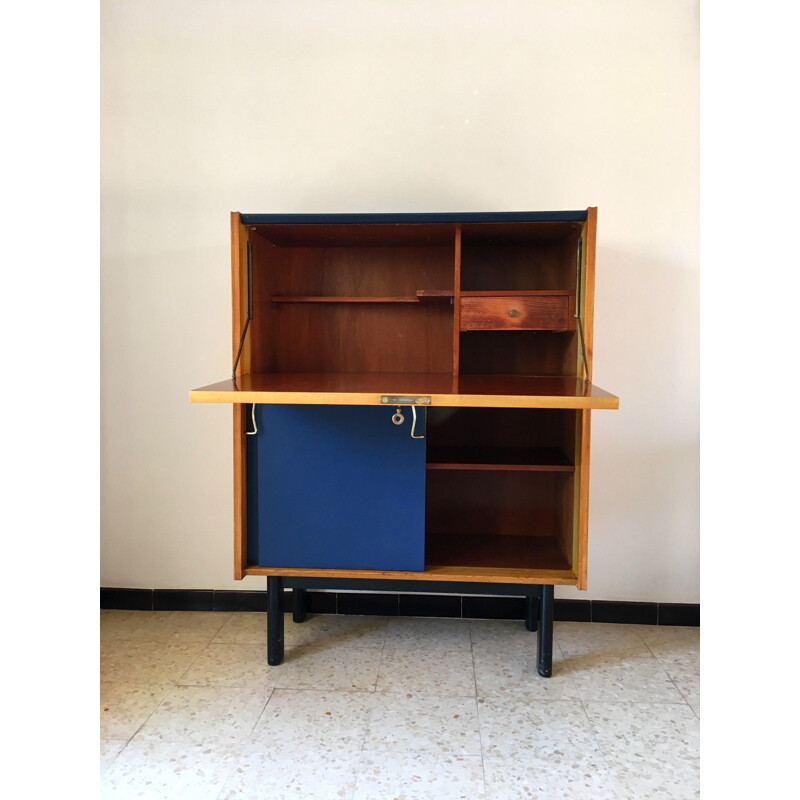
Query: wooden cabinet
<point x="412" y="397"/>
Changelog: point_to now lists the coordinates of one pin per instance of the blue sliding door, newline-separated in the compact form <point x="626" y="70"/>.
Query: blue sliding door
<point x="335" y="487"/>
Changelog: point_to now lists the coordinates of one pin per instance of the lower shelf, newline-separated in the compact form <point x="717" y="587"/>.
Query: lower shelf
<point x="471" y="558"/>
<point x="494" y="551"/>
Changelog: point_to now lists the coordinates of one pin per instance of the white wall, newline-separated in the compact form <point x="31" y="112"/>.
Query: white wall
<point x="209" y="107"/>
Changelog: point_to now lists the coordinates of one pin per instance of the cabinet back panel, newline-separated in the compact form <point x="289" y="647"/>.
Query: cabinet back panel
<point x="502" y="427"/>
<point x="517" y="267"/>
<point x="351" y="337"/>
<point x="518" y="353"/>
<point x="495" y="503"/>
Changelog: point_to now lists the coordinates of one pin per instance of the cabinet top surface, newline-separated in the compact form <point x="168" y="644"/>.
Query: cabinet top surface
<point x="428" y="217"/>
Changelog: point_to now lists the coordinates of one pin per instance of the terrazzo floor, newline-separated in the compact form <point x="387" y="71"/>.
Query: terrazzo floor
<point x="379" y="708"/>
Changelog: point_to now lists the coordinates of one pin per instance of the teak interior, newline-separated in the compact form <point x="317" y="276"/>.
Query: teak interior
<point x="367" y="298"/>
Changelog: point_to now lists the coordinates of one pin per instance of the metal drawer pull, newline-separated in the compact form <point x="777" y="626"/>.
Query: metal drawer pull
<point x="513" y="313"/>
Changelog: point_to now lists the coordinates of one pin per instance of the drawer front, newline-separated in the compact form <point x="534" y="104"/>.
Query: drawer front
<point x="539" y="313"/>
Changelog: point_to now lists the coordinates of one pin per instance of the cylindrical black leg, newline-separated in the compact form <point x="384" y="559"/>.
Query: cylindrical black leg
<point x="545" y="643"/>
<point x="300" y="608"/>
<point x="274" y="621"/>
<point x="531" y="612"/>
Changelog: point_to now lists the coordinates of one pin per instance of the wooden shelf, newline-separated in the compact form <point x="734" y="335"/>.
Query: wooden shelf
<point x="422" y="296"/>
<point x="522" y="293"/>
<point x="366" y="388"/>
<point x="470" y="573"/>
<point x="533" y="459"/>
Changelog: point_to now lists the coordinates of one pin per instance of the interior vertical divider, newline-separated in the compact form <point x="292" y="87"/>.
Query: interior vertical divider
<point x="457" y="302"/>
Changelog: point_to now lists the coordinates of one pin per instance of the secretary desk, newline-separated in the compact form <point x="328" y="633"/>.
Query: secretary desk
<point x="411" y="404"/>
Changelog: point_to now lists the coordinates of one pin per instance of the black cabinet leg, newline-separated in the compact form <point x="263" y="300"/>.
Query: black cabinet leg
<point x="300" y="604"/>
<point x="531" y="612"/>
<point x="545" y="657"/>
<point x="274" y="621"/>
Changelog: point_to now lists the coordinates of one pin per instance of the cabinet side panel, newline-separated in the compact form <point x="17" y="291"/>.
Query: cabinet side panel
<point x="457" y="302"/>
<point x="582" y="446"/>
<point x="589" y="246"/>
<point x="239" y="237"/>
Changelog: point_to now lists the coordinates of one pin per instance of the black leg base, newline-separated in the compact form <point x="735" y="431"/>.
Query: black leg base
<point x="300" y="605"/>
<point x="531" y="612"/>
<point x="274" y="621"/>
<point x="545" y="635"/>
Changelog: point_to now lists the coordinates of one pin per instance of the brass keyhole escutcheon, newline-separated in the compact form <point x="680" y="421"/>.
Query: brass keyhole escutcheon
<point x="513" y="313"/>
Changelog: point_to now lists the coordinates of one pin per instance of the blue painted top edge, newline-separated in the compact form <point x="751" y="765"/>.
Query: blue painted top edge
<point x="470" y="216"/>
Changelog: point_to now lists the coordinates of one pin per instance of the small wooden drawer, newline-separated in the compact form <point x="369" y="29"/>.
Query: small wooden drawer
<point x="539" y="312"/>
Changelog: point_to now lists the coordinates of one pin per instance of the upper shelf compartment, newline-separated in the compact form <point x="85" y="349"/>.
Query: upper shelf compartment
<point x="478" y="391"/>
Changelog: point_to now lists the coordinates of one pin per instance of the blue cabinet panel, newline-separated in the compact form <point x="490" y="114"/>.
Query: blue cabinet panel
<point x="335" y="487"/>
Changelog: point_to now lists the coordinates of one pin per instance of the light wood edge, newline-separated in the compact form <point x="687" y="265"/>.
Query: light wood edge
<point x="557" y="577"/>
<point x="373" y="399"/>
<point x="590" y="244"/>
<point x="583" y="445"/>
<point x="239" y="238"/>
<point x="457" y="304"/>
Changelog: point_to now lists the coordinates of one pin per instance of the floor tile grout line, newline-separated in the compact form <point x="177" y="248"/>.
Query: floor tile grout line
<point x="478" y="715"/>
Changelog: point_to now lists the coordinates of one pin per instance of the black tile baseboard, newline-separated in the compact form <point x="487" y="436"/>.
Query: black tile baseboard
<point x="679" y="614"/>
<point x="429" y="605"/>
<point x="183" y="600"/>
<point x="492" y="607"/>
<point x="383" y="605"/>
<point x="128" y="599"/>
<point x="629" y="613"/>
<point x="572" y="610"/>
<point x="410" y="605"/>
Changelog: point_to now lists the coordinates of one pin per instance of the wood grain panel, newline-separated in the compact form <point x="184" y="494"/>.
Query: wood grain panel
<point x="473" y="574"/>
<point x="539" y="312"/>
<point x="480" y="391"/>
<point x="239" y="239"/>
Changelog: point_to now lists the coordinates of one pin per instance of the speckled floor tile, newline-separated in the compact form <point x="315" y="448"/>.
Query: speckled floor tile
<point x="121" y="624"/>
<point x="685" y="674"/>
<point x="510" y="636"/>
<point x="316" y="776"/>
<point x="411" y="723"/>
<point x="419" y="776"/>
<point x="109" y="750"/>
<point x="124" y="707"/>
<point x="599" y="639"/>
<point x="179" y="626"/>
<point x="339" y="631"/>
<point x="436" y="672"/>
<point x="547" y="731"/>
<point x="500" y="673"/>
<point x="146" y="662"/>
<point x="622" y="678"/>
<point x="579" y="777"/>
<point x="166" y="771"/>
<point x="243" y="627"/>
<point x="344" y="669"/>
<point x="297" y="721"/>
<point x="205" y="715"/>
<point x="404" y="633"/>
<point x="652" y="749"/>
<point x="667" y="641"/>
<point x="242" y="665"/>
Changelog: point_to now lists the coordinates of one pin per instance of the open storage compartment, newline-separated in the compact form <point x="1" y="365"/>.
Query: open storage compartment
<point x="500" y="489"/>
<point x="353" y="299"/>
